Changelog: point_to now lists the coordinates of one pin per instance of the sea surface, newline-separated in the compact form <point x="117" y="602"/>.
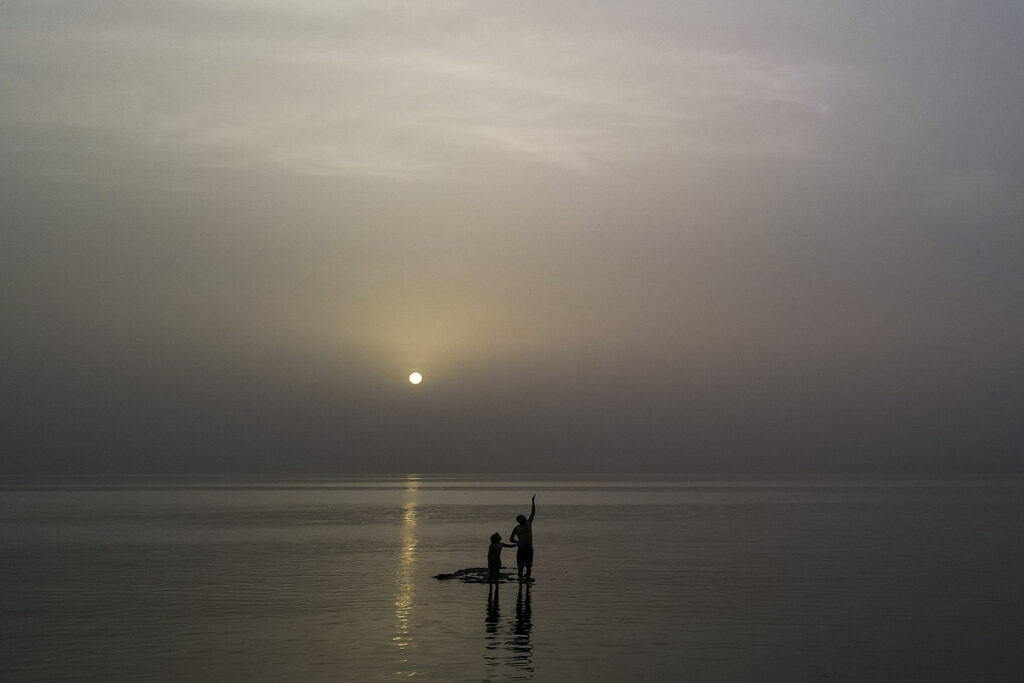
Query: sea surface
<point x="283" y="579"/>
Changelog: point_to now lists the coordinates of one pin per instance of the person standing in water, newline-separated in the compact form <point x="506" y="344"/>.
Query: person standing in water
<point x="523" y="535"/>
<point x="494" y="559"/>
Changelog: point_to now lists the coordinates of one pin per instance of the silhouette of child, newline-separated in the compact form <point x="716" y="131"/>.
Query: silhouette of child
<point x="494" y="558"/>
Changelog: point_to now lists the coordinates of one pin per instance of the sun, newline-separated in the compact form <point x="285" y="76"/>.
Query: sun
<point x="415" y="378"/>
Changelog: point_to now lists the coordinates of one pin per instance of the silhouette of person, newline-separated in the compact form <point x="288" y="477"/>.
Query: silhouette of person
<point x="523" y="535"/>
<point x="494" y="560"/>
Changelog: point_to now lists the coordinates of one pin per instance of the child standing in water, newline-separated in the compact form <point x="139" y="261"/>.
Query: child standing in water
<point x="494" y="558"/>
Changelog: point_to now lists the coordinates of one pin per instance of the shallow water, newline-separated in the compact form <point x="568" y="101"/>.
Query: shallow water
<point x="273" y="579"/>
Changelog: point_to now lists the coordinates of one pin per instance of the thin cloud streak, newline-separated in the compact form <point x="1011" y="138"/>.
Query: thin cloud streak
<point x="395" y="105"/>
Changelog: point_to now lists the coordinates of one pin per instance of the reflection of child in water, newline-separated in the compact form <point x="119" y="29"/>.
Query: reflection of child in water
<point x="494" y="558"/>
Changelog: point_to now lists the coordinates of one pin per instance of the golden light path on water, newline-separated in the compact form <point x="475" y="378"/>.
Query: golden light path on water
<point x="405" y="574"/>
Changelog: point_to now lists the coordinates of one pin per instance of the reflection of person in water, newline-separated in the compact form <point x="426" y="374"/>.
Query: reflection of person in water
<point x="523" y="614"/>
<point x="494" y="560"/>
<point x="491" y="657"/>
<point x="493" y="613"/>
<point x="519" y="646"/>
<point x="508" y="652"/>
<point x="523" y="535"/>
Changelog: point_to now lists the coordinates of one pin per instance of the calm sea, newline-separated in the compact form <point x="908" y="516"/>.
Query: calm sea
<point x="331" y="579"/>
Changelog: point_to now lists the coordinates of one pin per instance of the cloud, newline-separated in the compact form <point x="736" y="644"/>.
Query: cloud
<point x="371" y="90"/>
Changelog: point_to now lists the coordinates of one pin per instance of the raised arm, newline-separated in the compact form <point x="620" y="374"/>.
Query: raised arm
<point x="533" y="509"/>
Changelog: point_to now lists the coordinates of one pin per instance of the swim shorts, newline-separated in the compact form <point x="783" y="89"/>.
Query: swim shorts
<point x="524" y="556"/>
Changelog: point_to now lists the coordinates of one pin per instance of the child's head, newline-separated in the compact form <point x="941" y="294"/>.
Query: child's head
<point x="495" y="538"/>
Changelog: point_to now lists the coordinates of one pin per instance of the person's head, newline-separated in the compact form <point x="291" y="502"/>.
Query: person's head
<point x="521" y="519"/>
<point x="495" y="538"/>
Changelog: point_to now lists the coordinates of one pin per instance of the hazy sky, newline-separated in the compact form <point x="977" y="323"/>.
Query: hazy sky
<point x="613" y="236"/>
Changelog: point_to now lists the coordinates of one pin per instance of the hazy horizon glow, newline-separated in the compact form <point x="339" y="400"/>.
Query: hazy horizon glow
<point x="701" y="237"/>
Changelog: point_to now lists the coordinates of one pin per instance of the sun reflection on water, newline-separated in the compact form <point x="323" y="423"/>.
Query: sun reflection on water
<point x="405" y="581"/>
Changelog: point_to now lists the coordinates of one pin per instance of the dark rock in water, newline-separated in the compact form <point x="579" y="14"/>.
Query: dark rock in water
<point x="472" y="575"/>
<point x="479" y="575"/>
